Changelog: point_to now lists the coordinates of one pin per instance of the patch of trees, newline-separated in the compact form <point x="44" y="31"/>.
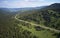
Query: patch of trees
<point x="48" y="17"/>
<point x="38" y="28"/>
<point x="9" y="28"/>
<point x="57" y="35"/>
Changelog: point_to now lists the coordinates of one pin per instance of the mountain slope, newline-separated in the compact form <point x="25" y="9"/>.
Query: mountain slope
<point x="49" y="16"/>
<point x="9" y="26"/>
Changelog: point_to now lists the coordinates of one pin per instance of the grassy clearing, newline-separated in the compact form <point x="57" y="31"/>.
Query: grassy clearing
<point x="40" y="34"/>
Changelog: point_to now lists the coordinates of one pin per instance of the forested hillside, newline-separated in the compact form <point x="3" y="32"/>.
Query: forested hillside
<point x="49" y="16"/>
<point x="11" y="27"/>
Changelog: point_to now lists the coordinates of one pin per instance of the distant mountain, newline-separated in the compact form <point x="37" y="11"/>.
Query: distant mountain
<point x="54" y="6"/>
<point x="20" y="9"/>
<point x="10" y="9"/>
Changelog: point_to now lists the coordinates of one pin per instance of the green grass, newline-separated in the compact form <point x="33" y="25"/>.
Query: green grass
<point x="39" y="34"/>
<point x="44" y="34"/>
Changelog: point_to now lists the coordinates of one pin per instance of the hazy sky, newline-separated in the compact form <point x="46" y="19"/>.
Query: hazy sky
<point x="25" y="3"/>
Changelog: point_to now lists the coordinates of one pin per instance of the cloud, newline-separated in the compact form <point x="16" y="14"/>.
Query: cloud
<point x="36" y="0"/>
<point x="25" y="3"/>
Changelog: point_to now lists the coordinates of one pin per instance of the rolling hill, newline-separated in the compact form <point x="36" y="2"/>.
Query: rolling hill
<point x="48" y="16"/>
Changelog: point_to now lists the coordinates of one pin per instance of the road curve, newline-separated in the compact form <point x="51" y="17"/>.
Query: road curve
<point x="51" y="29"/>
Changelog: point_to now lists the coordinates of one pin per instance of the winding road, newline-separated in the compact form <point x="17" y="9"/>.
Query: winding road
<point x="51" y="29"/>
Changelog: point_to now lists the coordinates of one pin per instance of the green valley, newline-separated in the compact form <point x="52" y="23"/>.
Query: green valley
<point x="36" y="22"/>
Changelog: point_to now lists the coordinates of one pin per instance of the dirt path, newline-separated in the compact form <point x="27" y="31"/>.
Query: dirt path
<point x="51" y="29"/>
